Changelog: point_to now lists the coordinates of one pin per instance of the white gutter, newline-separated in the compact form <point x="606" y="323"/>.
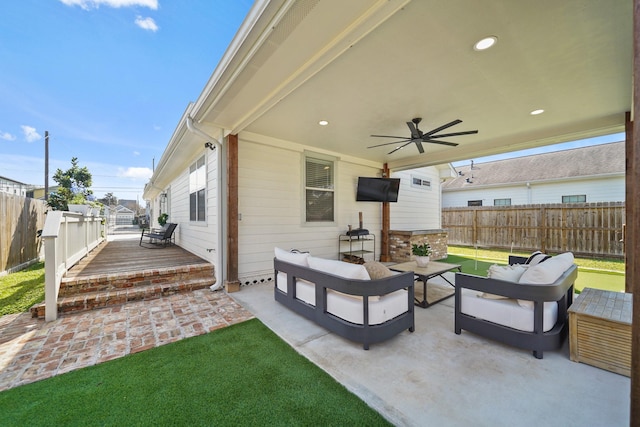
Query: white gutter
<point x="222" y="219"/>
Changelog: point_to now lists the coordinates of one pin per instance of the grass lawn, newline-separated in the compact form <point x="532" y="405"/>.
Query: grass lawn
<point x="240" y="375"/>
<point x="607" y="274"/>
<point x="19" y="291"/>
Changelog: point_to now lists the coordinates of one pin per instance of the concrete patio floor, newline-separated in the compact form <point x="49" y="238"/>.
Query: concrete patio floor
<point x="433" y="377"/>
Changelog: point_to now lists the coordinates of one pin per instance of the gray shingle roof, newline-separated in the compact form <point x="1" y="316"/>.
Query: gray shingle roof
<point x="604" y="159"/>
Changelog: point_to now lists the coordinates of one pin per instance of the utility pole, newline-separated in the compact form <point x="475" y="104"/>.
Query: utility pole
<point x="46" y="165"/>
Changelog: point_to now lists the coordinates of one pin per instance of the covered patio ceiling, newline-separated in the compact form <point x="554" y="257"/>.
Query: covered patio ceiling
<point x="369" y="66"/>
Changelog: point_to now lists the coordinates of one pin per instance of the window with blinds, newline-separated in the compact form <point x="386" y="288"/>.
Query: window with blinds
<point x="501" y="202"/>
<point x="319" y="190"/>
<point x="577" y="198"/>
<point x="197" y="190"/>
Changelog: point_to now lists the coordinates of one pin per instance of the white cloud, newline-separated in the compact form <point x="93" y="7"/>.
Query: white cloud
<point x="7" y="136"/>
<point x="135" y="173"/>
<point x="30" y="133"/>
<point x="94" y="4"/>
<point x="136" y="153"/>
<point x="146" y="23"/>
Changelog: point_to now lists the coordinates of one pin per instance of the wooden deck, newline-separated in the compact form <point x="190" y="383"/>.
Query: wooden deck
<point x="123" y="256"/>
<point x="122" y="271"/>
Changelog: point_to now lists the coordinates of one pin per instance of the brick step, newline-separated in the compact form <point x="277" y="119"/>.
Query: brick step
<point x="71" y="286"/>
<point x="105" y="298"/>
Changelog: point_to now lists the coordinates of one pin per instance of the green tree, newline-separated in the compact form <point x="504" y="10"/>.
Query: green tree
<point x="73" y="186"/>
<point x="109" y="200"/>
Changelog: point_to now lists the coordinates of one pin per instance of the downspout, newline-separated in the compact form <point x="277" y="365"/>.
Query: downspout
<point x="220" y="255"/>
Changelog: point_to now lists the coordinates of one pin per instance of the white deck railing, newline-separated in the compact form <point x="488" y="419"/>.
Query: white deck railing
<point x="68" y="237"/>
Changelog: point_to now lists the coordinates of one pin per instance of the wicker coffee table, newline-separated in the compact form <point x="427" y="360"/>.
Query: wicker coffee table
<point x="600" y="330"/>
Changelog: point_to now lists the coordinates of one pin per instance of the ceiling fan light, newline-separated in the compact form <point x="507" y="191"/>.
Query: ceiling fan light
<point x="323" y="122"/>
<point x="485" y="43"/>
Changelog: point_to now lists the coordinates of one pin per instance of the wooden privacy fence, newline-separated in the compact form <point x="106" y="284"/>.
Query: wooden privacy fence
<point x="20" y="220"/>
<point x="591" y="229"/>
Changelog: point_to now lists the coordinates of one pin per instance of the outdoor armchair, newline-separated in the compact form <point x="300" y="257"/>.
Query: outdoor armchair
<point x="163" y="237"/>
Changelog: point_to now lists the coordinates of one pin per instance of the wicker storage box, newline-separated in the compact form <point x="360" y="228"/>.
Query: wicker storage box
<point x="600" y="330"/>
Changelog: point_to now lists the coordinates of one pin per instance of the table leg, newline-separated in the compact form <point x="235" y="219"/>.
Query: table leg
<point x="424" y="303"/>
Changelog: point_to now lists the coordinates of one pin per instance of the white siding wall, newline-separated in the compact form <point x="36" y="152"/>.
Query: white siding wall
<point x="610" y="189"/>
<point x="196" y="236"/>
<point x="271" y="206"/>
<point x="417" y="208"/>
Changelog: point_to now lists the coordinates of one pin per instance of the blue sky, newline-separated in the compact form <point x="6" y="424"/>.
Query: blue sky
<point x="109" y="80"/>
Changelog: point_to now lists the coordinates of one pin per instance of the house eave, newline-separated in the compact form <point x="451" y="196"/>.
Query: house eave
<point x="471" y="186"/>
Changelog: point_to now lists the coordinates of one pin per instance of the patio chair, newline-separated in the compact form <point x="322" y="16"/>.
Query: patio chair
<point x="157" y="238"/>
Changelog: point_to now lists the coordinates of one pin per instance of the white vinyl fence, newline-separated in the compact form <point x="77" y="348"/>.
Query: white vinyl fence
<point x="67" y="237"/>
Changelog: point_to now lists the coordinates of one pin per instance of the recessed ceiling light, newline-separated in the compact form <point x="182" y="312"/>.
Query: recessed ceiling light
<point x="323" y="122"/>
<point x="485" y="43"/>
<point x="536" y="112"/>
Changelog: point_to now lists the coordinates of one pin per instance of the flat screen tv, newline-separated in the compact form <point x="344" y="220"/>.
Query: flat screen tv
<point x="377" y="189"/>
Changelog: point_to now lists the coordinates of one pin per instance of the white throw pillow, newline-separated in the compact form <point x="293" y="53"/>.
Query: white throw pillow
<point x="536" y="258"/>
<point x="549" y="271"/>
<point x="546" y="273"/>
<point x="339" y="268"/>
<point x="292" y="257"/>
<point x="509" y="273"/>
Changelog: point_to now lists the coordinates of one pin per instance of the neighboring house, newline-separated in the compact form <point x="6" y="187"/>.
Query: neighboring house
<point x="580" y="175"/>
<point x="129" y="204"/>
<point x="11" y="186"/>
<point x="38" y="193"/>
<point x="124" y="216"/>
<point x="270" y="152"/>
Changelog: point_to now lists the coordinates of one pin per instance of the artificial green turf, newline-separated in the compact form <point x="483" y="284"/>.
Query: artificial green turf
<point x="240" y="375"/>
<point x="21" y="290"/>
<point x="609" y="281"/>
<point x="500" y="255"/>
<point x="470" y="266"/>
<point x="587" y="277"/>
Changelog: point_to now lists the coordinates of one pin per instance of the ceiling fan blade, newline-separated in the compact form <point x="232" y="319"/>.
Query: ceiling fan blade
<point x="389" y="136"/>
<point x="443" y="127"/>
<point x="414" y="131"/>
<point x="389" y="143"/>
<point x="447" y="135"/>
<point x="420" y="147"/>
<point x="399" y="148"/>
<point x="433" y="141"/>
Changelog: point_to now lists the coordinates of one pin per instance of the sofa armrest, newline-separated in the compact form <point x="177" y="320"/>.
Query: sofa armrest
<point x="540" y="293"/>
<point x="356" y="287"/>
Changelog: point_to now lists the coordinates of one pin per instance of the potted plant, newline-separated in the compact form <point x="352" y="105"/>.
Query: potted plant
<point x="162" y="219"/>
<point x="422" y="253"/>
<point x="95" y="207"/>
<point x="78" y="204"/>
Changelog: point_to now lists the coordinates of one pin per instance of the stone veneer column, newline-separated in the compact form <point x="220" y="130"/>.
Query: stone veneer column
<point x="400" y="242"/>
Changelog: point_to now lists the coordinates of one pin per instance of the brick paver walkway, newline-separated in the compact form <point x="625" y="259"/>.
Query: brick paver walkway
<point x="32" y="349"/>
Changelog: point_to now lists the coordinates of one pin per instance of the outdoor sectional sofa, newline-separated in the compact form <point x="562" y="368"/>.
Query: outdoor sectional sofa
<point x="343" y="298"/>
<point x="525" y="306"/>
